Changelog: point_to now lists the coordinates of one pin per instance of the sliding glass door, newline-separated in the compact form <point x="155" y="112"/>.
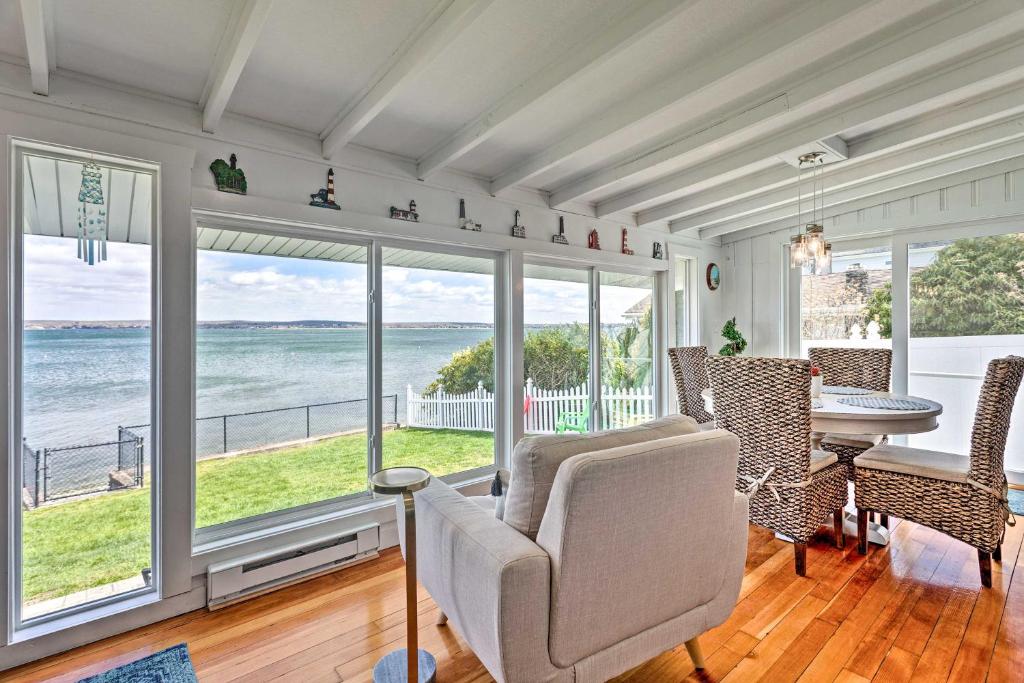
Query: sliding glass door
<point x="556" y="349"/>
<point x="85" y="354"/>
<point x="281" y="373"/>
<point x="627" y="349"/>
<point x="438" y="360"/>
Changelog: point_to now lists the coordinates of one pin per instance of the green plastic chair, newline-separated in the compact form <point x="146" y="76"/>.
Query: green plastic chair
<point x="574" y="421"/>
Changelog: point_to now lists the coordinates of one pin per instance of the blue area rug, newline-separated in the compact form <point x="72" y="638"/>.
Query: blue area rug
<point x="1016" y="497"/>
<point x="170" y="666"/>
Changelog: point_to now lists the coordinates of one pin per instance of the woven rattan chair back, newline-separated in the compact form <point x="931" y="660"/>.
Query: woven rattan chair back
<point x="766" y="402"/>
<point x="992" y="420"/>
<point x="691" y="375"/>
<point x="854" y="367"/>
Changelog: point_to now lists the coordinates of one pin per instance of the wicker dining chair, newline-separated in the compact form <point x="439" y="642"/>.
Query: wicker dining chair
<point x="962" y="496"/>
<point x="852" y="367"/>
<point x="691" y="375"/>
<point x="766" y="402"/>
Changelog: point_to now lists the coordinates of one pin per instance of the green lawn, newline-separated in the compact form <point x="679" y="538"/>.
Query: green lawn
<point x="80" y="544"/>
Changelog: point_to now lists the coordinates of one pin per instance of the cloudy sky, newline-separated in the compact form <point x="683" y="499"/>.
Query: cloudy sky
<point x="233" y="286"/>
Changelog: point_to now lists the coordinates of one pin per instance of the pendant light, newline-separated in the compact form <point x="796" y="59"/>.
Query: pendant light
<point x="810" y="247"/>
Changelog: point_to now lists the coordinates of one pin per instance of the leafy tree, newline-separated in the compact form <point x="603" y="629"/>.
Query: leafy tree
<point x="555" y="357"/>
<point x="975" y="286"/>
<point x="736" y="343"/>
<point x="879" y="307"/>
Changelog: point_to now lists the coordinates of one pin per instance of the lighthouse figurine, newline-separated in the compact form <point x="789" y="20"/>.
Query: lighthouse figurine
<point x="324" y="197"/>
<point x="559" y="237"/>
<point x="593" y="240"/>
<point x="625" y="243"/>
<point x="467" y="223"/>
<point x="518" y="230"/>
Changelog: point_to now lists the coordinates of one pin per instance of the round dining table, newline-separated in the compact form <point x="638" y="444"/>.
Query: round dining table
<point x="829" y="415"/>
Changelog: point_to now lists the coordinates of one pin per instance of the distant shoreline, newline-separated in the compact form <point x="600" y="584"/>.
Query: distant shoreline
<point x="247" y="325"/>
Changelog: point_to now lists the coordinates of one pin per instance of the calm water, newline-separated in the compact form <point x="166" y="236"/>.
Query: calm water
<point x="81" y="384"/>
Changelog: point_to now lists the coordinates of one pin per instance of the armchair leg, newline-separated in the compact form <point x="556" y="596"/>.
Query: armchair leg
<point x="985" y="565"/>
<point x="800" y="551"/>
<point x="862" y="531"/>
<point x="997" y="554"/>
<point x="442" y="618"/>
<point x="693" y="647"/>
<point x="837" y="522"/>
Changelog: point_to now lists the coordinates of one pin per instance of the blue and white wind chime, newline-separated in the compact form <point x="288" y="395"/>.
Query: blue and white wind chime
<point x="92" y="216"/>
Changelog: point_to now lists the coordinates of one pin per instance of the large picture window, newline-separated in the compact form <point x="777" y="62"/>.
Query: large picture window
<point x="281" y="373"/>
<point x="851" y="305"/>
<point x="86" y="345"/>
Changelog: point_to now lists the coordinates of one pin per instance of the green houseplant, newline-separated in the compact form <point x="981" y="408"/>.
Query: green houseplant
<point x="735" y="341"/>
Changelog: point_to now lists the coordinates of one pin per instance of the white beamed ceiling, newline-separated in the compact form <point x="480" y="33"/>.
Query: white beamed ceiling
<point x="681" y="102"/>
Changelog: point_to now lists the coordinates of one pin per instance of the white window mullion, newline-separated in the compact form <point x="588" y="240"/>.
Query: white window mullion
<point x="375" y="380"/>
<point x="595" y="350"/>
<point x="510" y="358"/>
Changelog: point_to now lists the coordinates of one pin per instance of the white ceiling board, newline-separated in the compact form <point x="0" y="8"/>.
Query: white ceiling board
<point x="510" y="42"/>
<point x="12" y="37"/>
<point x="51" y="195"/>
<point x="314" y="57"/>
<point x="707" y="26"/>
<point x="163" y="47"/>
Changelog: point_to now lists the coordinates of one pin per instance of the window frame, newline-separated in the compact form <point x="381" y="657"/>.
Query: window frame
<point x="211" y="539"/>
<point x="15" y="623"/>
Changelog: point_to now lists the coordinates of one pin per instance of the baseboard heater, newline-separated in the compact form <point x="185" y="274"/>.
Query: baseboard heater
<point x="246" y="577"/>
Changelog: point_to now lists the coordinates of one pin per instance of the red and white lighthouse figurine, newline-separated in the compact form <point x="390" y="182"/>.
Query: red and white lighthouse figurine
<point x="625" y="243"/>
<point x="324" y="197"/>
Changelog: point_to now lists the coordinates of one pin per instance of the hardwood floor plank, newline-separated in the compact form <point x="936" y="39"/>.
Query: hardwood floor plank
<point x="912" y="610"/>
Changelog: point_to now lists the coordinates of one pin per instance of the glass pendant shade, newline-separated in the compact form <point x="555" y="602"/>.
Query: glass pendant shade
<point x="815" y="241"/>
<point x="823" y="263"/>
<point x="798" y="253"/>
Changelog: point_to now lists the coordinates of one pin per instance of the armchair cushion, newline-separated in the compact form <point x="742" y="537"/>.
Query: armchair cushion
<point x="536" y="460"/>
<point x="916" y="461"/>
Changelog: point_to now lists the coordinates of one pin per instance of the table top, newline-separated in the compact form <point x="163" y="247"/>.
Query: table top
<point x="396" y="480"/>
<point x="833" y="416"/>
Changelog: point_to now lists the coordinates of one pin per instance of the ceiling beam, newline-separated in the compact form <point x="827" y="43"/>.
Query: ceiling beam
<point x="34" y="22"/>
<point x="616" y="35"/>
<point x="984" y="164"/>
<point x="906" y="167"/>
<point x="751" y="59"/>
<point x="960" y="77"/>
<point x="231" y="58"/>
<point x="445" y="22"/>
<point x="761" y="191"/>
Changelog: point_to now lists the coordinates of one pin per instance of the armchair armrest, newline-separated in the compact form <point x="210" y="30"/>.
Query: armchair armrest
<point x="491" y="581"/>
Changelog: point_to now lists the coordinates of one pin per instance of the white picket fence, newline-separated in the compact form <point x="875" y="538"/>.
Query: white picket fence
<point x="541" y="407"/>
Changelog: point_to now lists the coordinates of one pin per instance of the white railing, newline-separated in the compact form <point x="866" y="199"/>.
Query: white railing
<point x="542" y="408"/>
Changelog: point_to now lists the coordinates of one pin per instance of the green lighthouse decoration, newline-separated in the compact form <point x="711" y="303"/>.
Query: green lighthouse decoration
<point x="229" y="178"/>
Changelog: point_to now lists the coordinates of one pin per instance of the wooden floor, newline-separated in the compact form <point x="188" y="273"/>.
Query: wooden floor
<point x="911" y="611"/>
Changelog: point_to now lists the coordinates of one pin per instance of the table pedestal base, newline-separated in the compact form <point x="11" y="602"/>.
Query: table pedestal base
<point x="394" y="667"/>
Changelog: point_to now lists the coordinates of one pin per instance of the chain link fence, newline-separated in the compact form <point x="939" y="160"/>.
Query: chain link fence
<point x="55" y="473"/>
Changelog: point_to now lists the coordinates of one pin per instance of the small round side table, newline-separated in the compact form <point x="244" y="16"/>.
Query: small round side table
<point x="409" y="663"/>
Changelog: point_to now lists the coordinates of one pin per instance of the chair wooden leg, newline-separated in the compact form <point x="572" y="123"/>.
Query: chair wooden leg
<point x="837" y="522"/>
<point x="871" y="516"/>
<point x="985" y="565"/>
<point x="883" y="520"/>
<point x="693" y="647"/>
<point x="862" y="531"/>
<point x="800" y="551"/>
<point x="442" y="618"/>
<point x="997" y="554"/>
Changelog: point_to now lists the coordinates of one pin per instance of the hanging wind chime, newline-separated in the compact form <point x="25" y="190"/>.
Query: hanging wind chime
<point x="92" y="216"/>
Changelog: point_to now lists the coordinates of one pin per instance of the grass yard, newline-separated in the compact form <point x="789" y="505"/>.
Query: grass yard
<point x="91" y="542"/>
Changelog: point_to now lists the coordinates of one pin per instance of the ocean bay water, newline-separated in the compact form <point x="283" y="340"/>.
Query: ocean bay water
<point x="80" y="384"/>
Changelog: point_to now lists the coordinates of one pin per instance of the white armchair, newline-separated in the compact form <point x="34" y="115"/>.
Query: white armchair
<point x="641" y="547"/>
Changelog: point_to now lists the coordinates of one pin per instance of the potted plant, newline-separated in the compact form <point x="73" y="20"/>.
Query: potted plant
<point x="735" y="341"/>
